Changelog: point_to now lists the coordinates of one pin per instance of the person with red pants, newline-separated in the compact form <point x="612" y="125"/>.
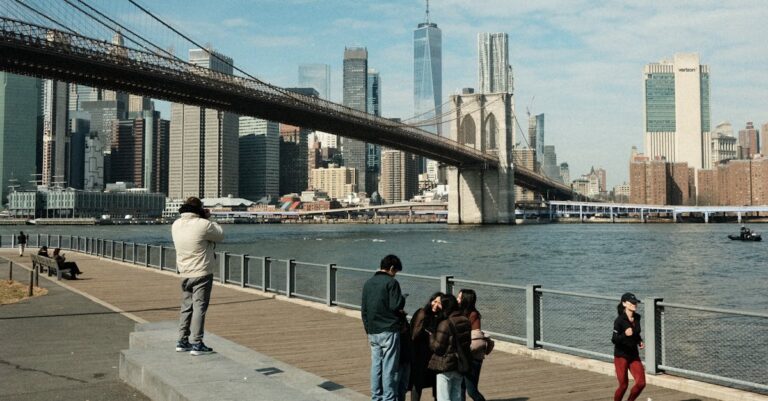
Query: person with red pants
<point x="627" y="341"/>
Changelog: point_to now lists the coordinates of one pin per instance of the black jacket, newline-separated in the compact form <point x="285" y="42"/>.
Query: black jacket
<point x="382" y="304"/>
<point x="444" y="345"/>
<point x="625" y="346"/>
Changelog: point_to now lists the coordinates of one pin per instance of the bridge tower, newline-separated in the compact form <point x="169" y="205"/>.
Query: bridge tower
<point x="481" y="194"/>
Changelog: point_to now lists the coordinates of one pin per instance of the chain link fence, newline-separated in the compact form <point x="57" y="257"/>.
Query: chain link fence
<point x="502" y="308"/>
<point x="714" y="345"/>
<point x="310" y="281"/>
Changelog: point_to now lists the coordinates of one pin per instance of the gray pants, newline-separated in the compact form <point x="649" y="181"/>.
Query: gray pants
<point x="195" y="294"/>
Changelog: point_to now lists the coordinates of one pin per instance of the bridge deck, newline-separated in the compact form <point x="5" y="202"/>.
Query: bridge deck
<point x="328" y="344"/>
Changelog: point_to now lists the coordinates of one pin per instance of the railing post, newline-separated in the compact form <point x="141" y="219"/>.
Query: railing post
<point x="38" y="240"/>
<point x="330" y="285"/>
<point x="654" y="338"/>
<point x="446" y="284"/>
<point x="112" y="249"/>
<point x="133" y="253"/>
<point x="31" y="279"/>
<point x="162" y="257"/>
<point x="290" y="277"/>
<point x="71" y="240"/>
<point x="122" y="253"/>
<point x="265" y="272"/>
<point x="223" y="267"/>
<point x="13" y="241"/>
<point x="146" y="255"/>
<point x="10" y="271"/>
<point x="36" y="270"/>
<point x="58" y="244"/>
<point x="532" y="316"/>
<point x="243" y="270"/>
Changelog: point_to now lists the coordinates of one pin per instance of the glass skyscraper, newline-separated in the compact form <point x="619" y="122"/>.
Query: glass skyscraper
<point x="19" y="109"/>
<point x="494" y="70"/>
<point x="373" y="158"/>
<point x="318" y="76"/>
<point x="428" y="82"/>
<point x="677" y="110"/>
<point x="355" y="93"/>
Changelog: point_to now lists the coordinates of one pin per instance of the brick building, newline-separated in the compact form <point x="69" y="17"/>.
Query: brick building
<point x="735" y="183"/>
<point x="657" y="182"/>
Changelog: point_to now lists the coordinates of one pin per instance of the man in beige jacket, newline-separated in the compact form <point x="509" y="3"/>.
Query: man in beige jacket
<point x="195" y="238"/>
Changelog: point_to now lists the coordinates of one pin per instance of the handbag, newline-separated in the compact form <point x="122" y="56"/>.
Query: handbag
<point x="481" y="344"/>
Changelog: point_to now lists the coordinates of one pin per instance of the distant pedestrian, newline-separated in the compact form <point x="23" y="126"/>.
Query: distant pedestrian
<point x="423" y="325"/>
<point x="22" y="240"/>
<point x="467" y="299"/>
<point x="627" y="341"/>
<point x="450" y="343"/>
<point x="195" y="238"/>
<point x="382" y="312"/>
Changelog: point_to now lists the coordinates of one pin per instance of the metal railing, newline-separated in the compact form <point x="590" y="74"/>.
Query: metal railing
<point x="721" y="346"/>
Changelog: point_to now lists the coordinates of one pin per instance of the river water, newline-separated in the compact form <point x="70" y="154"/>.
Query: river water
<point x="684" y="263"/>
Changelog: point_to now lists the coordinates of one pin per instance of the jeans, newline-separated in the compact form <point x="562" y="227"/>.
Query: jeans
<point x="196" y="293"/>
<point x="449" y="386"/>
<point x="385" y="361"/>
<point x="471" y="380"/>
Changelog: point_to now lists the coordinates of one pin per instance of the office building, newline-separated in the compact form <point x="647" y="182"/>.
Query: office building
<point x="355" y="92"/>
<point x="399" y="176"/>
<point x="494" y="72"/>
<point x="721" y="146"/>
<point x="259" y="159"/>
<point x="549" y="166"/>
<point x="318" y="76"/>
<point x="75" y="203"/>
<point x="337" y="182"/>
<point x="677" y="110"/>
<point x="293" y="159"/>
<point x="137" y="105"/>
<point x="565" y="173"/>
<point x="428" y="84"/>
<point x="19" y="110"/>
<point x="621" y="193"/>
<point x="80" y="127"/>
<point x="104" y="116"/>
<point x="373" y="151"/>
<point x="749" y="141"/>
<point x="536" y="137"/>
<point x="525" y="158"/>
<point x="126" y="161"/>
<point x="81" y="93"/>
<point x="55" y="132"/>
<point x="203" y="144"/>
<point x="764" y="140"/>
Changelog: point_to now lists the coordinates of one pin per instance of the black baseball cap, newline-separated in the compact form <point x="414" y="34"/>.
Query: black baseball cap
<point x="630" y="297"/>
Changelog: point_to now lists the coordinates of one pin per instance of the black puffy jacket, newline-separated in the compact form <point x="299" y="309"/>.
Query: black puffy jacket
<point x="626" y="346"/>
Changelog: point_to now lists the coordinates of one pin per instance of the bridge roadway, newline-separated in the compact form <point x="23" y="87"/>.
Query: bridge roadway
<point x="326" y="342"/>
<point x="42" y="52"/>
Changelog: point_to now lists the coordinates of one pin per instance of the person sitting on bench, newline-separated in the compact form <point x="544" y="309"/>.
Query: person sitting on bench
<point x="43" y="251"/>
<point x="74" y="271"/>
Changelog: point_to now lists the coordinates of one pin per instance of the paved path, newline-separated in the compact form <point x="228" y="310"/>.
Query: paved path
<point x="328" y="344"/>
<point x="61" y="346"/>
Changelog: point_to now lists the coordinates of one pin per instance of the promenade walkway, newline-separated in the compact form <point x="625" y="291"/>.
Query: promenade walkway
<point x="328" y="344"/>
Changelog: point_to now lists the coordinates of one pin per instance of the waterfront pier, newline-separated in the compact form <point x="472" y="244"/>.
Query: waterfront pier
<point x="325" y="341"/>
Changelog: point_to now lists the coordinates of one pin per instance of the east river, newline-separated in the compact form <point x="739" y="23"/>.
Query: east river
<point x="684" y="263"/>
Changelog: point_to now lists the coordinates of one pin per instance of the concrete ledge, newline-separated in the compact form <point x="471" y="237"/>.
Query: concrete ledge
<point x="233" y="372"/>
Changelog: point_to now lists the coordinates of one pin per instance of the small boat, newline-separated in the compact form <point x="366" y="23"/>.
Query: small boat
<point x="750" y="237"/>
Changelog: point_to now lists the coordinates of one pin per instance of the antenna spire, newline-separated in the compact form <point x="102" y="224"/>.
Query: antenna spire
<point x="427" y="11"/>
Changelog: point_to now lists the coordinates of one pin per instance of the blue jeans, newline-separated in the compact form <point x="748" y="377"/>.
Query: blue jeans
<point x="449" y="386"/>
<point x="385" y="358"/>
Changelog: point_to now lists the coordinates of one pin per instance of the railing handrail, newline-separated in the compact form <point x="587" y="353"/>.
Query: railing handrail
<point x="536" y="319"/>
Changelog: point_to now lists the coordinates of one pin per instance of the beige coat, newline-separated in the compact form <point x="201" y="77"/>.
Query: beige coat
<point x="195" y="239"/>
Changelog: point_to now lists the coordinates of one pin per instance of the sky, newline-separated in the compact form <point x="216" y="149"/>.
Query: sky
<point x="579" y="62"/>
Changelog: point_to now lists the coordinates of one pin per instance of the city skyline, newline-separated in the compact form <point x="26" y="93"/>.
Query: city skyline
<point x="586" y="77"/>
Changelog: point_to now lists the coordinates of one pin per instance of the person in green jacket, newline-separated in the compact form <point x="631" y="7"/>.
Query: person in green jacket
<point x="382" y="310"/>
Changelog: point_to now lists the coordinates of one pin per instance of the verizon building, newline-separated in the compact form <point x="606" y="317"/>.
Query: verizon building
<point x="677" y="111"/>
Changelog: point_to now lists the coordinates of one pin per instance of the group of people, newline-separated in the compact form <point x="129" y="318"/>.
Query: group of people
<point x="442" y="347"/>
<point x="61" y="262"/>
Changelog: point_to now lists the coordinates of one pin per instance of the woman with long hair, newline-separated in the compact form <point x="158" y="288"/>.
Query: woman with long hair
<point x="627" y="342"/>
<point x="423" y="323"/>
<point x="450" y="343"/>
<point x="467" y="300"/>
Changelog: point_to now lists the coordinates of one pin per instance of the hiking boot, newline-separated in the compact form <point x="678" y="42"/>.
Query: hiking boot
<point x="183" y="346"/>
<point x="200" y="349"/>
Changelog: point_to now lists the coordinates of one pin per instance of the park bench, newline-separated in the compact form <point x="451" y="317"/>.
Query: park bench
<point x="49" y="264"/>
